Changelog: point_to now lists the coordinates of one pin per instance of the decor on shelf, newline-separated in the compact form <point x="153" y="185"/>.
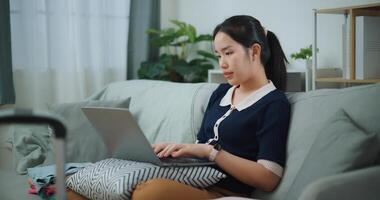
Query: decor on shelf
<point x="352" y="26"/>
<point x="304" y="54"/>
<point x="177" y="61"/>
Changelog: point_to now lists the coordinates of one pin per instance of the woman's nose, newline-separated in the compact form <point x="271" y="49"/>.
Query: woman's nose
<point x="222" y="64"/>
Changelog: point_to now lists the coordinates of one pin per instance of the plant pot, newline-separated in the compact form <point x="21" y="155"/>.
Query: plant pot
<point x="308" y="64"/>
<point x="175" y="77"/>
<point x="302" y="64"/>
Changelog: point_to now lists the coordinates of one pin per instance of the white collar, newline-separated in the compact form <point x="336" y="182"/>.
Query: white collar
<point x="251" y="99"/>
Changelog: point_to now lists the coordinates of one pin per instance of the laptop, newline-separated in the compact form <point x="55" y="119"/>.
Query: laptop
<point x="124" y="138"/>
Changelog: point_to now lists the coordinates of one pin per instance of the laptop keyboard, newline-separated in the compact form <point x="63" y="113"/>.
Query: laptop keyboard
<point x="182" y="160"/>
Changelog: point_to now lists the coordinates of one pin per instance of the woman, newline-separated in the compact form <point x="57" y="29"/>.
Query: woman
<point x="244" y="129"/>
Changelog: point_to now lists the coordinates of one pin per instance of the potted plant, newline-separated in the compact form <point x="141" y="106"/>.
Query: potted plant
<point x="304" y="54"/>
<point x="177" y="61"/>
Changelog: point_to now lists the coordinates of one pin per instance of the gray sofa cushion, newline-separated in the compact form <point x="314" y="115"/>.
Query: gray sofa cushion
<point x="83" y="143"/>
<point x="343" y="145"/>
<point x="357" y="184"/>
<point x="165" y="111"/>
<point x="310" y="112"/>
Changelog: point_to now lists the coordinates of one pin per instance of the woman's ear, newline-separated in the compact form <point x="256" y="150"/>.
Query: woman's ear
<point x="255" y="51"/>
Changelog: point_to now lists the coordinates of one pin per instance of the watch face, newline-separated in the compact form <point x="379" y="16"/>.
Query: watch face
<point x="217" y="147"/>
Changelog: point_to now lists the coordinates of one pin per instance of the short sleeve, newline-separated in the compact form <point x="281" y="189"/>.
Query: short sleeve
<point x="273" y="131"/>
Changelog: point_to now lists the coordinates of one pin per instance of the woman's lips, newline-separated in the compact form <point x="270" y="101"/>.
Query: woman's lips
<point x="227" y="74"/>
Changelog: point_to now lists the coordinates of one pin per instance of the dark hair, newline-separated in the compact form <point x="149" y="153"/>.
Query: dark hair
<point x="247" y="30"/>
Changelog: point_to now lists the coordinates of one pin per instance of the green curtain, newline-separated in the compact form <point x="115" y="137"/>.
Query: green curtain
<point x="144" y="14"/>
<point x="7" y="92"/>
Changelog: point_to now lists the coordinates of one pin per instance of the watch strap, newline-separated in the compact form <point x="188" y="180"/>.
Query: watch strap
<point x="214" y="151"/>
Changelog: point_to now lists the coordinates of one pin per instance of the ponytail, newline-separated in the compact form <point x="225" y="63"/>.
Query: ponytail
<point x="275" y="68"/>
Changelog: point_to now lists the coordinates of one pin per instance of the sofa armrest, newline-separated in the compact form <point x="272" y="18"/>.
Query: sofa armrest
<point x="358" y="184"/>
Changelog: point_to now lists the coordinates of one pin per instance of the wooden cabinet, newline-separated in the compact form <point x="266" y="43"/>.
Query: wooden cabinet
<point x="350" y="18"/>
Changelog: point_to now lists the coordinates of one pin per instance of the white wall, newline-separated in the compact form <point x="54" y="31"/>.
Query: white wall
<point x="291" y="21"/>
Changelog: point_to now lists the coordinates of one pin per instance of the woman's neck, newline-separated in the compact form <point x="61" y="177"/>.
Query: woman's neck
<point x="254" y="83"/>
<point x="243" y="90"/>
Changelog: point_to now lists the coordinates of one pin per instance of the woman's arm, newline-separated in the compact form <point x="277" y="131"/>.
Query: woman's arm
<point x="247" y="171"/>
<point x="182" y="150"/>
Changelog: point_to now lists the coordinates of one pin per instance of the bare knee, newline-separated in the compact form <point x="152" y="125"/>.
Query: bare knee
<point x="168" y="189"/>
<point x="152" y="189"/>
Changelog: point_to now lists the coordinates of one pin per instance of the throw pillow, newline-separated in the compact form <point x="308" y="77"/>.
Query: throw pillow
<point x="83" y="143"/>
<point x="116" y="179"/>
<point x="341" y="146"/>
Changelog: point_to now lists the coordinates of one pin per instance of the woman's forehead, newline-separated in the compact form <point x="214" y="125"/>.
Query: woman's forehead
<point x="223" y="41"/>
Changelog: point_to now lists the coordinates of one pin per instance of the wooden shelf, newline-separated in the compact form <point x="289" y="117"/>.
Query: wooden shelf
<point x="350" y="13"/>
<point x="345" y="10"/>
<point x="342" y="80"/>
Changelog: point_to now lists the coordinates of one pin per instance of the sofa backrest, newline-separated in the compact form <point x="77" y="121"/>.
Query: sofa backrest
<point x="310" y="111"/>
<point x="166" y="111"/>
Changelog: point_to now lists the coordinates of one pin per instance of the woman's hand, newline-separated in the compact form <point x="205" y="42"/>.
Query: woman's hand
<point x="182" y="150"/>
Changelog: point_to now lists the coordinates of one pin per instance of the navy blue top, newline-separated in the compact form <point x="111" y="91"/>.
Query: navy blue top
<point x="257" y="132"/>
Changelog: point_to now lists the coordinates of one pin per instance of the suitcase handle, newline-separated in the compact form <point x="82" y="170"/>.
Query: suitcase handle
<point x="59" y="129"/>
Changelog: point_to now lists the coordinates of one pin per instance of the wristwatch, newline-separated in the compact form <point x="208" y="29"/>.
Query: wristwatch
<point x="214" y="151"/>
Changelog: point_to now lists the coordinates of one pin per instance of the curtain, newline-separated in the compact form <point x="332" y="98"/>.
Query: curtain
<point x="64" y="50"/>
<point x="7" y="93"/>
<point x="144" y="14"/>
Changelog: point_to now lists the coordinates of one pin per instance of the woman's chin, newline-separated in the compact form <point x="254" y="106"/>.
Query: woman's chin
<point x="232" y="82"/>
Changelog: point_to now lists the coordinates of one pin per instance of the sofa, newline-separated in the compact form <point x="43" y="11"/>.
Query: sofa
<point x="333" y="149"/>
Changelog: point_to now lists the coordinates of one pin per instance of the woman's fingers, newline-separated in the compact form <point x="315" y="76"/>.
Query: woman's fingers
<point x="169" y="149"/>
<point x="176" y="150"/>
<point x="159" y="147"/>
<point x="162" y="151"/>
<point x="186" y="150"/>
<point x="179" y="153"/>
<point x="195" y="150"/>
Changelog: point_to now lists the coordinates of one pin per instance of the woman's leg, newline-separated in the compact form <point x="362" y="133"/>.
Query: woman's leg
<point x="169" y="189"/>
<point x="71" y="195"/>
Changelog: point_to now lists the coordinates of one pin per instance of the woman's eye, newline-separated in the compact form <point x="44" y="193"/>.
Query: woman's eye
<point x="218" y="56"/>
<point x="228" y="53"/>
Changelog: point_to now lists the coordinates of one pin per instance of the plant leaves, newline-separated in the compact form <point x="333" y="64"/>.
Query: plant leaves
<point x="152" y="70"/>
<point x="304" y="53"/>
<point x="203" y="37"/>
<point x="161" y="41"/>
<point x="180" y="24"/>
<point x="198" y="61"/>
<point x="175" y="66"/>
<point x="207" y="54"/>
<point x="191" y="33"/>
<point x="152" y="31"/>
